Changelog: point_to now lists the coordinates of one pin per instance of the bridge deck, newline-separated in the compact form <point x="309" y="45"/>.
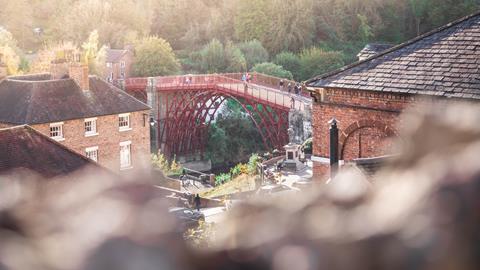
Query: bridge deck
<point x="262" y="88"/>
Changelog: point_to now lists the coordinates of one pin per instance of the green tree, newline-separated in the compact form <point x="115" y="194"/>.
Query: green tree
<point x="291" y="25"/>
<point x="315" y="61"/>
<point x="213" y="57"/>
<point x="235" y="59"/>
<point x="272" y="70"/>
<point x="254" y="52"/>
<point x="419" y="8"/>
<point x="251" y="19"/>
<point x="94" y="54"/>
<point x="155" y="57"/>
<point x="289" y="61"/>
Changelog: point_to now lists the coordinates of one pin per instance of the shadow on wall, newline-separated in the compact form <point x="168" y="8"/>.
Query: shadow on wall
<point x="422" y="215"/>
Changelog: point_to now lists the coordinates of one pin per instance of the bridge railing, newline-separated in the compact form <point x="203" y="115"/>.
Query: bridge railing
<point x="230" y="82"/>
<point x="268" y="94"/>
<point x="268" y="81"/>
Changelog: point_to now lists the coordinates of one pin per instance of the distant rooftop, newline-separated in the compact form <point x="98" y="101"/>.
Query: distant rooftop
<point x="372" y="49"/>
<point x="36" y="99"/>
<point x="23" y="147"/>
<point x="444" y="62"/>
<point x="114" y="55"/>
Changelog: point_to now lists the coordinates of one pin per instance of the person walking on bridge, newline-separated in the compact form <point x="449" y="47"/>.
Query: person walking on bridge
<point x="281" y="83"/>
<point x="289" y="87"/>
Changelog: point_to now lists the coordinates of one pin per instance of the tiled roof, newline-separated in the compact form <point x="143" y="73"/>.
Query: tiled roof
<point x="444" y="62"/>
<point x="22" y="147"/>
<point x="37" y="99"/>
<point x="372" y="49"/>
<point x="114" y="55"/>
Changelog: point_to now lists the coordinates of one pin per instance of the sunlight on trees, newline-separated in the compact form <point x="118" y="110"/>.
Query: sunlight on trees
<point x="155" y="57"/>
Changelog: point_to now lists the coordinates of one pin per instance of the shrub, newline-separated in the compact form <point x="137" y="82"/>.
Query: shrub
<point x="289" y="61"/>
<point x="222" y="178"/>
<point x="272" y="70"/>
<point x="252" y="164"/>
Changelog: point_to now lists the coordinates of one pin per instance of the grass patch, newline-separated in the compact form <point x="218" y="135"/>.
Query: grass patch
<point x="241" y="183"/>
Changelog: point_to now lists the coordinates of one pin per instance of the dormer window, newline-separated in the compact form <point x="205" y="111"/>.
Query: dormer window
<point x="124" y="122"/>
<point x="56" y="131"/>
<point x="91" y="127"/>
<point x="122" y="64"/>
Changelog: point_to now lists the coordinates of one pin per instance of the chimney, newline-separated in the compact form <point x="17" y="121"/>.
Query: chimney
<point x="59" y="66"/>
<point x="79" y="72"/>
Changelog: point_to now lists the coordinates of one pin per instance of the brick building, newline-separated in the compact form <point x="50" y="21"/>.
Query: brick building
<point x="118" y="65"/>
<point x="368" y="97"/>
<point x="82" y="112"/>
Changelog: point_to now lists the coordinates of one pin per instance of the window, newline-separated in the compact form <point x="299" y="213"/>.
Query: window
<point x="109" y="65"/>
<point x="125" y="155"/>
<point x="122" y="64"/>
<point x="56" y="131"/>
<point x="92" y="153"/>
<point x="124" y="122"/>
<point x="90" y="127"/>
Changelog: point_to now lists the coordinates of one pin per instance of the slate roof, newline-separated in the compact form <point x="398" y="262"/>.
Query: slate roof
<point x="444" y="62"/>
<point x="36" y="99"/>
<point x="23" y="147"/>
<point x="373" y="49"/>
<point x="114" y="55"/>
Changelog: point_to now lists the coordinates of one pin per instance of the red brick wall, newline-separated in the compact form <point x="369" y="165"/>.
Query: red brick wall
<point x="367" y="123"/>
<point x="108" y="139"/>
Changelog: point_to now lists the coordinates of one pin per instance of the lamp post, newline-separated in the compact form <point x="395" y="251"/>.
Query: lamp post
<point x="333" y="147"/>
<point x="153" y="135"/>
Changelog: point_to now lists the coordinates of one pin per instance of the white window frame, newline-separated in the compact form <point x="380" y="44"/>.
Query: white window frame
<point x="93" y="149"/>
<point x="94" y="131"/>
<point x="129" y="122"/>
<point x="109" y="64"/>
<point x="60" y="137"/>
<point x="126" y="158"/>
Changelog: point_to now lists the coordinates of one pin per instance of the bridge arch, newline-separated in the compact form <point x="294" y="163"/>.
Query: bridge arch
<point x="185" y="108"/>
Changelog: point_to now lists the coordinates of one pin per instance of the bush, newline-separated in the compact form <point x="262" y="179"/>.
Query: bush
<point x="239" y="169"/>
<point x="272" y="70"/>
<point x="222" y="178"/>
<point x="254" y="52"/>
<point x="315" y="61"/>
<point x="155" y="57"/>
<point x="252" y="164"/>
<point x="289" y="61"/>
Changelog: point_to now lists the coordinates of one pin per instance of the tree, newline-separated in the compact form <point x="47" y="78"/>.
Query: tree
<point x="251" y="20"/>
<point x="315" y="61"/>
<point x="272" y="70"/>
<point x="94" y="56"/>
<point x="289" y="61"/>
<point x="235" y="59"/>
<point x="213" y="57"/>
<point x="9" y="52"/>
<point x="155" y="57"/>
<point x="254" y="52"/>
<point x="291" y="25"/>
<point x="419" y="8"/>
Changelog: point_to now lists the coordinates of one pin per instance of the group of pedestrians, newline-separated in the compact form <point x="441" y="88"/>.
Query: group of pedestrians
<point x="290" y="87"/>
